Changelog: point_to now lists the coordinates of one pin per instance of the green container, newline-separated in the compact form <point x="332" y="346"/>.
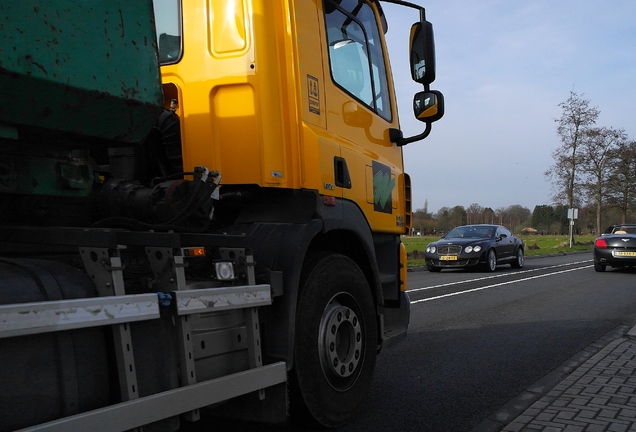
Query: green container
<point x="79" y="68"/>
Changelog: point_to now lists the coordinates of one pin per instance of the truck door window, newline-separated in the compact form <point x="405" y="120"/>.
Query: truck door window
<point x="168" y="22"/>
<point x="356" y="57"/>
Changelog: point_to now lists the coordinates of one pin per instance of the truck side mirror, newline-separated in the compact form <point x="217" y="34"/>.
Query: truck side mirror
<point x="422" y="53"/>
<point x="428" y="106"/>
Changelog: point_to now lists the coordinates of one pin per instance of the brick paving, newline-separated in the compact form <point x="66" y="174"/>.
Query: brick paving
<point x="600" y="395"/>
<point x="597" y="392"/>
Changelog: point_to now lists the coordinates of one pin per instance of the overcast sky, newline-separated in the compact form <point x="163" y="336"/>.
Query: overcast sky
<point x="503" y="67"/>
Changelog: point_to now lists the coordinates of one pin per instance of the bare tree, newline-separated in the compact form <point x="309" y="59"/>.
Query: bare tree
<point x="576" y="117"/>
<point x="488" y="215"/>
<point x="474" y="214"/>
<point x="622" y="181"/>
<point x="597" y="149"/>
<point x="423" y="221"/>
<point x="500" y="215"/>
<point x="448" y="218"/>
<point x="458" y="215"/>
<point x="517" y="215"/>
<point x="443" y="216"/>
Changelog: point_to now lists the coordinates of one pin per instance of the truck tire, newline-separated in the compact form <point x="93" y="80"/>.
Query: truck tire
<point x="335" y="342"/>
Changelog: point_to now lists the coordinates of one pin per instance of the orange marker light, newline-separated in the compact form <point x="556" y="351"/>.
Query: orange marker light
<point x="193" y="252"/>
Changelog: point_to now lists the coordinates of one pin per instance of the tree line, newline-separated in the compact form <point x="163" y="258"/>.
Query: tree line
<point x="545" y="219"/>
<point x="594" y="170"/>
<point x="515" y="217"/>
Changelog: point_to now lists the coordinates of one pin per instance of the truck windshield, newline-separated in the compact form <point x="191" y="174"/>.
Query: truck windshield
<point x="168" y="22"/>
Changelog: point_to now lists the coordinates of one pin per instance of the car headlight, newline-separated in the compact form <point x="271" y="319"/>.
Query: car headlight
<point x="469" y="249"/>
<point x="431" y="249"/>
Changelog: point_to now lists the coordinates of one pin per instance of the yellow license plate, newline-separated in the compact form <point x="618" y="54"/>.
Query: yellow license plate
<point x="448" y="258"/>
<point x="631" y="254"/>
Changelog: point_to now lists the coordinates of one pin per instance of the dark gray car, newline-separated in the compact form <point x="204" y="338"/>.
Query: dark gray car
<point x="616" y="247"/>
<point x="466" y="246"/>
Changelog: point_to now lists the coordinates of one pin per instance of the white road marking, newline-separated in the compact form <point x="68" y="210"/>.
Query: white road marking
<point x="495" y="276"/>
<point x="495" y="285"/>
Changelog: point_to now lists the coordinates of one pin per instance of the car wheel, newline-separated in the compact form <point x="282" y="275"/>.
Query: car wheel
<point x="491" y="261"/>
<point x="433" y="269"/>
<point x="518" y="263"/>
<point x="599" y="267"/>
<point x="335" y="342"/>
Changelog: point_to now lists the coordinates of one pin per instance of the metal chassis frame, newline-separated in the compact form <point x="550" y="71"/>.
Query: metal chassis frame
<point x="128" y="415"/>
<point x="100" y="252"/>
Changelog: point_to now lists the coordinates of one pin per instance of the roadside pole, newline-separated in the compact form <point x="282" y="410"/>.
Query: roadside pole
<point x="573" y="213"/>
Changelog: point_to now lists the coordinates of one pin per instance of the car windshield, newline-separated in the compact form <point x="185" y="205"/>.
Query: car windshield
<point x="625" y="230"/>
<point x="470" y="232"/>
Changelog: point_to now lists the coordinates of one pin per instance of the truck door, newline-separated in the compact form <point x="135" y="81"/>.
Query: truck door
<point x="360" y="110"/>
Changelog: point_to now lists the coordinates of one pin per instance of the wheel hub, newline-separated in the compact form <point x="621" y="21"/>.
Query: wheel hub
<point x="341" y="342"/>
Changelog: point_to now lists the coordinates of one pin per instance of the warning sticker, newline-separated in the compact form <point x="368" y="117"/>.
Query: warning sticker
<point x="314" y="94"/>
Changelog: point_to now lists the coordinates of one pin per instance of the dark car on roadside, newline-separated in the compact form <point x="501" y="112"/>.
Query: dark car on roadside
<point x="475" y="246"/>
<point x="616" y="247"/>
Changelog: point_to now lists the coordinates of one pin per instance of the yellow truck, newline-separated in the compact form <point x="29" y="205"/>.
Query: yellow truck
<point x="201" y="208"/>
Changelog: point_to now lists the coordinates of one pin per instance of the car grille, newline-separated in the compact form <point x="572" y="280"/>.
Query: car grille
<point x="449" y="250"/>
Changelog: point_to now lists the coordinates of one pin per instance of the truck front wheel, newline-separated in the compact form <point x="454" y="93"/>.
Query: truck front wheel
<point x="336" y="340"/>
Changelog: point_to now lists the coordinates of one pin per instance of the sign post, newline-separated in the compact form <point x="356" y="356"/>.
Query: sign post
<point x="573" y="213"/>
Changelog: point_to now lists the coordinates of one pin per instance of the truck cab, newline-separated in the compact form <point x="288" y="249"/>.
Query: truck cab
<point x="293" y="102"/>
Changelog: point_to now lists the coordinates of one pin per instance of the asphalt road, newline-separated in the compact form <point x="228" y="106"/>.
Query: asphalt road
<point x="476" y="340"/>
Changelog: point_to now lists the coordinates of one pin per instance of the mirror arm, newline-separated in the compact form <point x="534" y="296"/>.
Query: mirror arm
<point x="396" y="136"/>
<point x="411" y="5"/>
